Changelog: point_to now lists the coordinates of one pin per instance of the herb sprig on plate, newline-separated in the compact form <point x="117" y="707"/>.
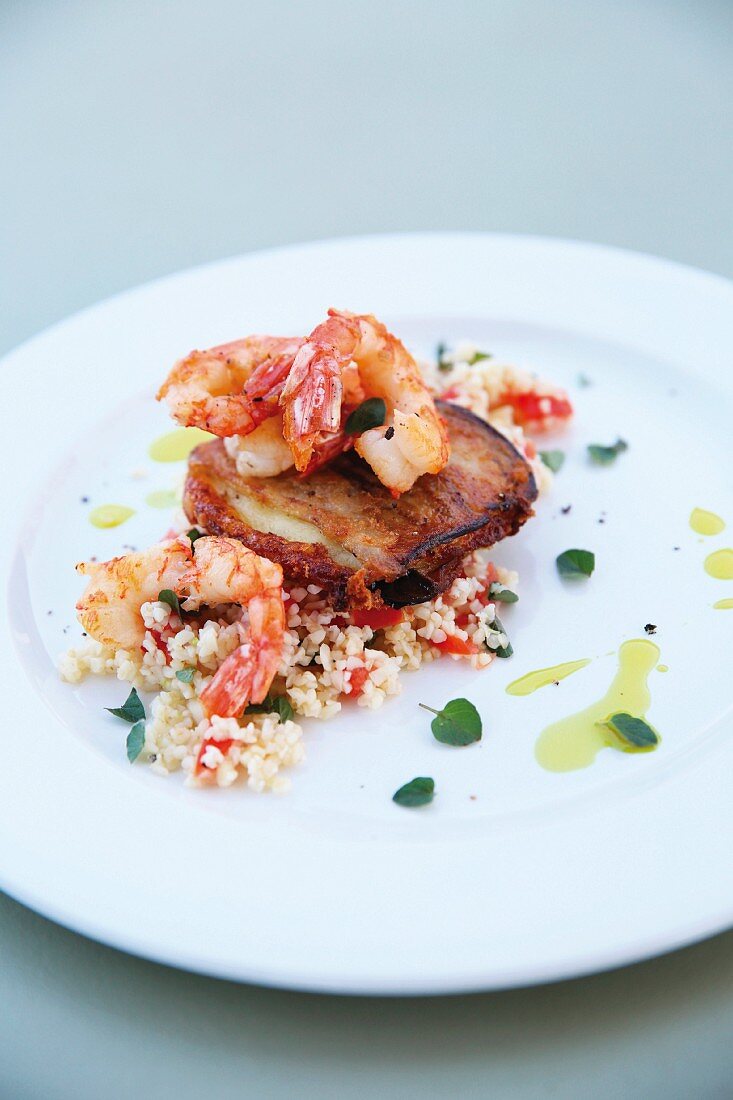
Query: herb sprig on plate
<point x="604" y="455"/>
<point x="418" y="792"/>
<point x="635" y="734"/>
<point x="132" y="711"/>
<point x="370" y="414"/>
<point x="553" y="460"/>
<point x="573" y="564"/>
<point x="458" y="723"/>
<point x="272" y="704"/>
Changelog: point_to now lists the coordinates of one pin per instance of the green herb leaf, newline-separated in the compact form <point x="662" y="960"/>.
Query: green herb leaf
<point x="185" y="675"/>
<point x="443" y="364"/>
<point x="132" y="710"/>
<point x="458" y="723"/>
<point x="272" y="704"/>
<point x="604" y="455"/>
<point x="553" y="460"/>
<point x="370" y="414"/>
<point x="502" y="650"/>
<point x="135" y="741"/>
<point x="634" y="732"/>
<point x="194" y="534"/>
<point x="418" y="792"/>
<point x="576" y="563"/>
<point x="499" y="594"/>
<point x="166" y="596"/>
<point x="584" y="381"/>
<point x="478" y="356"/>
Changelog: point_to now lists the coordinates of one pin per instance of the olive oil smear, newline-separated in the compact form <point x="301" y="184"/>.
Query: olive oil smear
<point x="541" y="677"/>
<point x="706" y="523"/>
<point x="719" y="564"/>
<point x="161" y="498"/>
<point x="574" y="742"/>
<point x="177" y="445"/>
<point x="724" y="605"/>
<point x="110" y="515"/>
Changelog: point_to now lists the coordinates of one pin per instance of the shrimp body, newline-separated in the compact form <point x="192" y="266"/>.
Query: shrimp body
<point x="263" y="452"/>
<point x="207" y="388"/>
<point x="412" y="442"/>
<point x="211" y="571"/>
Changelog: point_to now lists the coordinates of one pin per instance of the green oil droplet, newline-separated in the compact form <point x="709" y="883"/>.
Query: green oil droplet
<point x="706" y="523"/>
<point x="719" y="564"/>
<point x="575" y="742"/>
<point x="541" y="677"/>
<point x="177" y="445"/>
<point x="724" y="605"/>
<point x="110" y="515"/>
<point x="662" y="668"/>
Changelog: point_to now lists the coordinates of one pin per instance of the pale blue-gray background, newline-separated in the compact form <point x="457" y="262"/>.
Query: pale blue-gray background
<point x="140" y="137"/>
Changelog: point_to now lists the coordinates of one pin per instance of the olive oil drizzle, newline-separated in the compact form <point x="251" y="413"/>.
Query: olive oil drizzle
<point x="177" y="445"/>
<point x="719" y="564"/>
<point x="162" y="498"/>
<point x="541" y="677"/>
<point x="110" y="515"/>
<point x="706" y="523"/>
<point x="574" y="742"/>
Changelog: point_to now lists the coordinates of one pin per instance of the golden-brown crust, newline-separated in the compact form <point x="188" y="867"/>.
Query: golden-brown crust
<point x="414" y="544"/>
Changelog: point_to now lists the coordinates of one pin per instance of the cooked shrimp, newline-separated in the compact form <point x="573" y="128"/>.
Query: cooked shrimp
<point x="263" y="452"/>
<point x="207" y="388"/>
<point x="211" y="571"/>
<point x="412" y="442"/>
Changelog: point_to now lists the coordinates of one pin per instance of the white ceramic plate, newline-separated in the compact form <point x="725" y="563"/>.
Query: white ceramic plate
<point x="333" y="887"/>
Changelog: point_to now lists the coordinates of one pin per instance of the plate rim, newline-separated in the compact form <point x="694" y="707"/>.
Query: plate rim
<point x="358" y="985"/>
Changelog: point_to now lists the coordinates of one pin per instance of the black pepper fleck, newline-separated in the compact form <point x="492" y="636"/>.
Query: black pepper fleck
<point x="389" y="433"/>
<point x="84" y="500"/>
<point x="650" y="628"/>
<point x="566" y="509"/>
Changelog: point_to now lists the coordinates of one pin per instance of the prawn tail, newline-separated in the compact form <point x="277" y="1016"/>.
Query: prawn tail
<point x="326" y="450"/>
<point x="311" y="401"/>
<point x="267" y="379"/>
<point x="231" y="688"/>
<point x="247" y="673"/>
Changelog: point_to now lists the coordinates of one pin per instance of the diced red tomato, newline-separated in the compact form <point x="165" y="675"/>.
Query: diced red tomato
<point x="223" y="746"/>
<point x="490" y="577"/>
<point x="358" y="678"/>
<point x="537" y="407"/>
<point x="492" y="574"/>
<point x="457" y="645"/>
<point x="530" y="448"/>
<point x="450" y="394"/>
<point x="378" y="618"/>
<point x="161" y="644"/>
